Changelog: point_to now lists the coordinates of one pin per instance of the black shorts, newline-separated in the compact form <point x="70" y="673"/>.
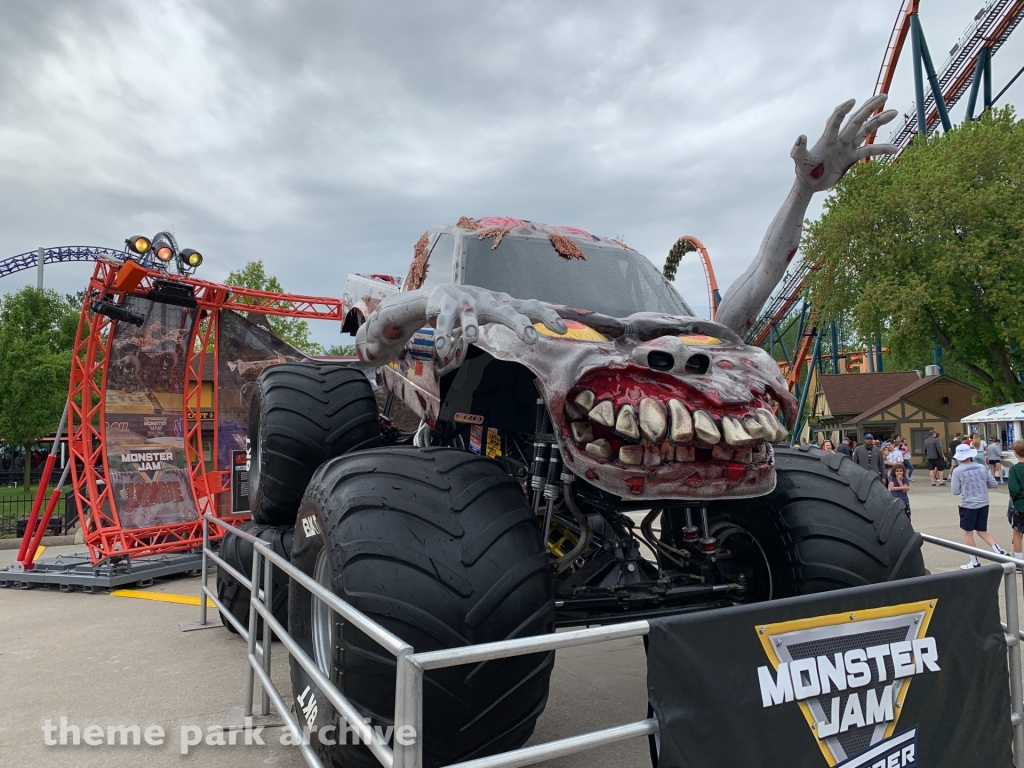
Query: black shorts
<point x="974" y="519"/>
<point x="938" y="464"/>
<point x="1015" y="519"/>
<point x="994" y="461"/>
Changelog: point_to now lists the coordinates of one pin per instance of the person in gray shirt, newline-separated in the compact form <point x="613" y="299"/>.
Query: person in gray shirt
<point x="936" y="458"/>
<point x="994" y="454"/>
<point x="869" y="456"/>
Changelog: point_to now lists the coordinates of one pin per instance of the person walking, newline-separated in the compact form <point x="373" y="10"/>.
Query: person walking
<point x="899" y="484"/>
<point x="907" y="463"/>
<point x="994" y="455"/>
<point x="870" y="457"/>
<point x="844" y="448"/>
<point x="936" y="458"/>
<point x="971" y="481"/>
<point x="1015" y="514"/>
<point x="827" y="447"/>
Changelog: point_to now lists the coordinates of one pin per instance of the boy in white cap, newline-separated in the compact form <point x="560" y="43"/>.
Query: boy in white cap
<point x="971" y="482"/>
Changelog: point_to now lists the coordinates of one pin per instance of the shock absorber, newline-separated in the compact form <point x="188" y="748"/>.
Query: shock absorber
<point x="552" y="490"/>
<point x="540" y="455"/>
<point x="690" y="532"/>
<point x="708" y="543"/>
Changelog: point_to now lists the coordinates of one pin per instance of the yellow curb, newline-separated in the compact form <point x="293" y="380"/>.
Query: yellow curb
<point x="163" y="597"/>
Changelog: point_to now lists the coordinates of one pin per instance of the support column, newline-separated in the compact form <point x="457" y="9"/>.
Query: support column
<point x="41" y="253"/>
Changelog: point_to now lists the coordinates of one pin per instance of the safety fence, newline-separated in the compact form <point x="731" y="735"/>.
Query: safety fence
<point x="14" y="516"/>
<point x="411" y="666"/>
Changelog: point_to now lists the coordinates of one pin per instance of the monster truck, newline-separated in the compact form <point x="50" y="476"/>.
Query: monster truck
<point x="590" y="453"/>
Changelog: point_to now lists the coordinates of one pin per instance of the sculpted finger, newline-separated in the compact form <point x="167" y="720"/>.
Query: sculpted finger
<point x="871" y="150"/>
<point x="853" y="125"/>
<point x="876" y="122"/>
<point x="832" y="126"/>
<point x="799" y="150"/>
<point x="510" y="317"/>
<point x="542" y="313"/>
<point x="467" y="318"/>
<point x="444" y="317"/>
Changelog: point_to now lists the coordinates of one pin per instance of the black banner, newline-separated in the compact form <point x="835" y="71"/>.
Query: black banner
<point x="239" y="482"/>
<point x="901" y="675"/>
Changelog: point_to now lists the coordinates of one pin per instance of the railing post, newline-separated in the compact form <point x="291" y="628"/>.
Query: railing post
<point x="1013" y="651"/>
<point x="250" y="673"/>
<point x="202" y="589"/>
<point x="268" y="601"/>
<point x="408" y="711"/>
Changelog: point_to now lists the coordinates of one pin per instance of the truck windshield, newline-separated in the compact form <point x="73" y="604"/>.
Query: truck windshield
<point x="611" y="280"/>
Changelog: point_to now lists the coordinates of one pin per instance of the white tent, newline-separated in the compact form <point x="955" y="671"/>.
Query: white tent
<point x="1001" y="422"/>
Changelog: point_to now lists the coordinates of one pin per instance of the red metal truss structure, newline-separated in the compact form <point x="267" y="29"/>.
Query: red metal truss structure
<point x="112" y="282"/>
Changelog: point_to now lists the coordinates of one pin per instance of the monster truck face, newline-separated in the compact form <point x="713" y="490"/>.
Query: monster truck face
<point x="649" y="401"/>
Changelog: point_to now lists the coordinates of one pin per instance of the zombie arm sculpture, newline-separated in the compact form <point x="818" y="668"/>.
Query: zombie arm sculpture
<point x="455" y="312"/>
<point x="817" y="169"/>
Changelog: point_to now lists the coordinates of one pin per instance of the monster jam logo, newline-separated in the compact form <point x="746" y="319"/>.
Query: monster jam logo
<point x="849" y="674"/>
<point x="145" y="460"/>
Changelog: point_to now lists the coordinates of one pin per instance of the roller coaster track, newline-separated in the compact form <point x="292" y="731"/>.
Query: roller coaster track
<point x="779" y="304"/>
<point x="991" y="27"/>
<point x="57" y="255"/>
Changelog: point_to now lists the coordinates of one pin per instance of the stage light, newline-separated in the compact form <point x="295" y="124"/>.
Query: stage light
<point x="170" y="292"/>
<point x="190" y="258"/>
<point x="164" y="253"/>
<point x="139" y="244"/>
<point x="117" y="312"/>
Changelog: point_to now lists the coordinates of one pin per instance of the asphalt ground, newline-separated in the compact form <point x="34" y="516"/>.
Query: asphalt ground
<point x="106" y="660"/>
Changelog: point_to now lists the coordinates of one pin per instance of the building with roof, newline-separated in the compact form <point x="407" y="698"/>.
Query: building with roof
<point x="886" y="404"/>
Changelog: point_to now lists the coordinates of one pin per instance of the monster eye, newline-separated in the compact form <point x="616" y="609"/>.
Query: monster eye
<point x="660" y="361"/>
<point x="698" y="364"/>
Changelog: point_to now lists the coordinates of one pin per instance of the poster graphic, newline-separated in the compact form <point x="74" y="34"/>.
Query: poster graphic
<point x="239" y="482"/>
<point x="149" y="474"/>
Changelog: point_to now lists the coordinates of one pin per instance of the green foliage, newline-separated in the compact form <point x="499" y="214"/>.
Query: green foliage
<point x="341" y="350"/>
<point x="295" y="331"/>
<point x="929" y="249"/>
<point x="37" y="332"/>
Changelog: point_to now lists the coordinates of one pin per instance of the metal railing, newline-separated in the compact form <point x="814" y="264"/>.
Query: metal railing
<point x="14" y="513"/>
<point x="410" y="666"/>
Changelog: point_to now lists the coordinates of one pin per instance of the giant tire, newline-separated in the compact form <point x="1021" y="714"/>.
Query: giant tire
<point x="237" y="552"/>
<point x="301" y="415"/>
<point x="828" y="524"/>
<point x="440" y="547"/>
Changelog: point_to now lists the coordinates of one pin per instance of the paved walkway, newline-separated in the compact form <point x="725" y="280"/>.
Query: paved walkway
<point x="99" y="659"/>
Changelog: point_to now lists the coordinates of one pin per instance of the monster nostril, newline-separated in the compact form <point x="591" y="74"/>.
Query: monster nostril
<point x="661" y="361"/>
<point x="698" y="364"/>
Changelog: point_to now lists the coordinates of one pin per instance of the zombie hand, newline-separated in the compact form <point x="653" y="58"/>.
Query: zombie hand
<point x="817" y="169"/>
<point x="824" y="164"/>
<point x="455" y="312"/>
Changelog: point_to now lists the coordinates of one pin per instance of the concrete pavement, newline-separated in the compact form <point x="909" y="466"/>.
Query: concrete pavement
<point x="99" y="659"/>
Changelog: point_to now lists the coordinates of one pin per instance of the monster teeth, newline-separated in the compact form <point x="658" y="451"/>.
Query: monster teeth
<point x="652" y="456"/>
<point x="772" y="428"/>
<point x="734" y="432"/>
<point x="632" y="455"/>
<point x="582" y="432"/>
<point x="760" y="453"/>
<point x="652" y="419"/>
<point x="574" y="412"/>
<point x="625" y="423"/>
<point x="742" y="455"/>
<point x="686" y="453"/>
<point x="705" y="428"/>
<point x="682" y="424"/>
<point x="585" y="400"/>
<point x="753" y="427"/>
<point x="603" y="413"/>
<point x="668" y="451"/>
<point x="722" y="452"/>
<point x="600" y="449"/>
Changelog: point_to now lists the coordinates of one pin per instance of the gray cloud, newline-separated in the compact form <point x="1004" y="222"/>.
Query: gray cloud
<point x="324" y="137"/>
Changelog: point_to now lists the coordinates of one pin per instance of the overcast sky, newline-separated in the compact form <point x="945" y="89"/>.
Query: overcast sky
<point x="324" y="137"/>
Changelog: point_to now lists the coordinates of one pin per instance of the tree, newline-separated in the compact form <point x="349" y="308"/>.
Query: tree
<point x="37" y="332"/>
<point x="293" y="330"/>
<point x="929" y="250"/>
